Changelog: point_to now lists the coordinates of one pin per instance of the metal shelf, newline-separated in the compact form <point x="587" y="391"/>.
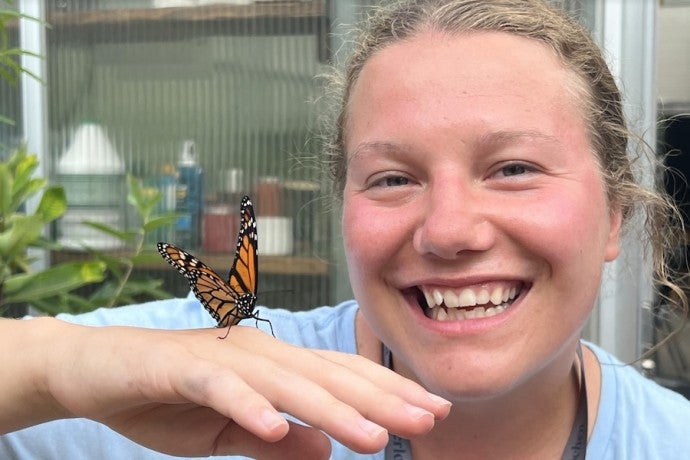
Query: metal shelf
<point x="273" y="265"/>
<point x="218" y="12"/>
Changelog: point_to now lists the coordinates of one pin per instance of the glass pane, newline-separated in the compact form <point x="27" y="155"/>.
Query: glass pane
<point x="672" y="359"/>
<point x="134" y="84"/>
<point x="671" y="365"/>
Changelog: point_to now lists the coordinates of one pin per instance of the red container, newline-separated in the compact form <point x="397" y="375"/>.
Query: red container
<point x="268" y="196"/>
<point x="221" y="225"/>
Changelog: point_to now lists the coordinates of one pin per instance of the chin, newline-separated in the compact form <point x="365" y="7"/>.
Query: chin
<point x="462" y="379"/>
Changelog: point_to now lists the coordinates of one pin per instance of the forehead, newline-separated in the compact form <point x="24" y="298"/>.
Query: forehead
<point x="496" y="76"/>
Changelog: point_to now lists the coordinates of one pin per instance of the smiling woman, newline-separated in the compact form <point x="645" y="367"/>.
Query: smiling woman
<point x="477" y="208"/>
<point x="480" y="154"/>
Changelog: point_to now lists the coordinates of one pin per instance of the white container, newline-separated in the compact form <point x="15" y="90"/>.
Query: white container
<point x="90" y="152"/>
<point x="173" y="3"/>
<point x="93" y="176"/>
<point x="275" y="235"/>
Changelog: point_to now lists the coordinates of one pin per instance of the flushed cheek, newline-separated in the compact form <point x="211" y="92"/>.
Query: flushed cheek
<point x="364" y="236"/>
<point x="571" y="232"/>
<point x="374" y="238"/>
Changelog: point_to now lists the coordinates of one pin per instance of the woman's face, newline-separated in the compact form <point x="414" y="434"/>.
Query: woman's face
<point x="475" y="218"/>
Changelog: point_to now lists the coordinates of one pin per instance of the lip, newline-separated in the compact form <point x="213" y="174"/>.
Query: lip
<point x="465" y="327"/>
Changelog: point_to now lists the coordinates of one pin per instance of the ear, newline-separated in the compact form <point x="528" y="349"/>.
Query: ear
<point x="613" y="247"/>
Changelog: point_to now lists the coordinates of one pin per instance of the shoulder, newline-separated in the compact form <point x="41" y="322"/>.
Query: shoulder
<point x="637" y="418"/>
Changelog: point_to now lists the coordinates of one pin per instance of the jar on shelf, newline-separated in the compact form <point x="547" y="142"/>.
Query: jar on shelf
<point x="268" y="196"/>
<point x="220" y="228"/>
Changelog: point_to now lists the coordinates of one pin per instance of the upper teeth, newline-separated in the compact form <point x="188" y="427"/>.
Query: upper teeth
<point x="470" y="296"/>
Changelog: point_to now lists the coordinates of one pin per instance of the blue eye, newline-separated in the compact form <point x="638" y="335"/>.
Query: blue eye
<point x="514" y="170"/>
<point x="394" y="181"/>
<point x="391" y="181"/>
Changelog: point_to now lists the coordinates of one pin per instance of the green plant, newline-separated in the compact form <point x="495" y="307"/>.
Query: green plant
<point x="53" y="290"/>
<point x="21" y="230"/>
<point x="122" y="287"/>
<point x="10" y="64"/>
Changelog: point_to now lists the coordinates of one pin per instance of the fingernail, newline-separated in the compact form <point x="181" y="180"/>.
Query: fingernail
<point x="439" y="400"/>
<point x="271" y="420"/>
<point x="417" y="412"/>
<point x="371" y="429"/>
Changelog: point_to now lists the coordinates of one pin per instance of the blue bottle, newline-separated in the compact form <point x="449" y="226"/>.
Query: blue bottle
<point x="164" y="183"/>
<point x="189" y="198"/>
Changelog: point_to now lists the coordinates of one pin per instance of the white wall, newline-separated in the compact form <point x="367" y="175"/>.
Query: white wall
<point x="673" y="66"/>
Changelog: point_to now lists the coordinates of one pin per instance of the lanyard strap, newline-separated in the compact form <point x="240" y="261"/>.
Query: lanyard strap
<point x="575" y="449"/>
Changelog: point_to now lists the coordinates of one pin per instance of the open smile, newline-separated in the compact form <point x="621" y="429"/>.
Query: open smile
<point x="481" y="301"/>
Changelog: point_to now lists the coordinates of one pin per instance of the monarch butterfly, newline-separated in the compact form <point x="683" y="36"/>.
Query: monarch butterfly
<point x="229" y="301"/>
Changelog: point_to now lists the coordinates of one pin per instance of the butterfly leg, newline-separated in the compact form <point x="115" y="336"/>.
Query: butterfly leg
<point x="257" y="319"/>
<point x="227" y="331"/>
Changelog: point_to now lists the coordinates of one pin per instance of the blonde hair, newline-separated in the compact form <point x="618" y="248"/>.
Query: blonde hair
<point x="595" y="86"/>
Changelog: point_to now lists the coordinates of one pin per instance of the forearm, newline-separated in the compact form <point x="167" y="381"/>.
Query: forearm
<point x="26" y="348"/>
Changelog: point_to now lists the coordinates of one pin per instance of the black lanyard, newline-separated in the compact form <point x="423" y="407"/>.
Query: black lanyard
<point x="575" y="449"/>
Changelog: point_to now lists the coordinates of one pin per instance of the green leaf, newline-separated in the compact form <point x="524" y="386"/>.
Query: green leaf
<point x="115" y="264"/>
<point x="17" y="157"/>
<point x="25" y="184"/>
<point x="144" y="199"/>
<point x="161" y="220"/>
<point x="24" y="167"/>
<point x="6" y="184"/>
<point x="53" y="204"/>
<point x="149" y="287"/>
<point x="27" y="287"/>
<point x="47" y="244"/>
<point x="29" y="189"/>
<point x="21" y="231"/>
<point x="123" y="235"/>
<point x="63" y="302"/>
<point x="14" y="14"/>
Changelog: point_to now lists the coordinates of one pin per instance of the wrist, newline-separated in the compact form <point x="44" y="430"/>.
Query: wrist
<point x="32" y="350"/>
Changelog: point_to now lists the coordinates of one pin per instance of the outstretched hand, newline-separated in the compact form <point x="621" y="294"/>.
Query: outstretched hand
<point x="188" y="393"/>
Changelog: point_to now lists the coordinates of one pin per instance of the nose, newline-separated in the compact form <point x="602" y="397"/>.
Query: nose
<point x="455" y="222"/>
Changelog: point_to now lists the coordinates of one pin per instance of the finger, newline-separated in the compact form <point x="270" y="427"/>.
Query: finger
<point x="219" y="388"/>
<point x="361" y="389"/>
<point x="307" y="400"/>
<point x="248" y="388"/>
<point x="353" y="398"/>
<point x="251" y="400"/>
<point x="300" y="443"/>
<point x="192" y="430"/>
<point x="392" y="382"/>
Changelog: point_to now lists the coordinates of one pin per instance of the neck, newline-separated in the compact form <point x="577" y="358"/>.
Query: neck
<point x="532" y="422"/>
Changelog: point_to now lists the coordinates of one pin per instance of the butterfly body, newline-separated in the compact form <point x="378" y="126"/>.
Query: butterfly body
<point x="227" y="301"/>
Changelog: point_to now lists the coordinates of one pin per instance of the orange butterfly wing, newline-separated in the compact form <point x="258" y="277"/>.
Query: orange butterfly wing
<point x="243" y="274"/>
<point x="229" y="301"/>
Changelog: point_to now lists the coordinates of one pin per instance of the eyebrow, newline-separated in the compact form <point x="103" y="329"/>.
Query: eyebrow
<point x="505" y="137"/>
<point x="365" y="147"/>
<point x="369" y="148"/>
<point x="501" y="137"/>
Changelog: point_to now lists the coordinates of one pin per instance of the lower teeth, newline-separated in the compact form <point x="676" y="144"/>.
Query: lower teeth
<point x="460" y="314"/>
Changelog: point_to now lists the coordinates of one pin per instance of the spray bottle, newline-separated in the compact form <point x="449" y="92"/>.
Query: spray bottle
<point x="189" y="195"/>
